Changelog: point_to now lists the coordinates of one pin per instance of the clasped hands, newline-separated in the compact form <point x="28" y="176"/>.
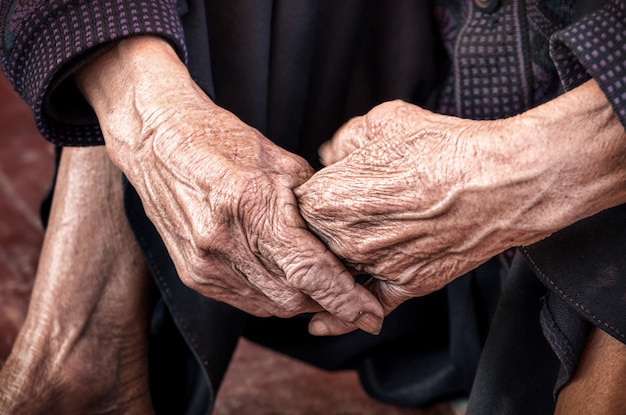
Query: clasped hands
<point x="413" y="198"/>
<point x="250" y="224"/>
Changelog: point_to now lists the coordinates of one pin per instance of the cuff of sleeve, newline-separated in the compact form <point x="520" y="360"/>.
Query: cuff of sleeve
<point x="58" y="39"/>
<point x="595" y="47"/>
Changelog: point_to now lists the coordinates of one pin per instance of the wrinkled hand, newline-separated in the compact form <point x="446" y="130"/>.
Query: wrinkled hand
<point x="416" y="200"/>
<point x="221" y="196"/>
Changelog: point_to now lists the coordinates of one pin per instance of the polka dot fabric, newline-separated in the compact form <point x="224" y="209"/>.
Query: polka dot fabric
<point x="595" y="47"/>
<point x="44" y="40"/>
<point x="491" y="81"/>
<point x="49" y="37"/>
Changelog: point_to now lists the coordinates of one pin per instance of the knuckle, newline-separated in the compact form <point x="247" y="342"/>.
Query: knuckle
<point x="390" y="118"/>
<point x="285" y="313"/>
<point x="204" y="237"/>
<point x="201" y="275"/>
<point x="259" y="312"/>
<point x="385" y="110"/>
<point x="392" y="295"/>
<point x="313" y="281"/>
<point x="301" y="276"/>
<point x="198" y="283"/>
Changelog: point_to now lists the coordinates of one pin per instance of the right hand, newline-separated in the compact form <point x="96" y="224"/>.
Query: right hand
<point x="219" y="193"/>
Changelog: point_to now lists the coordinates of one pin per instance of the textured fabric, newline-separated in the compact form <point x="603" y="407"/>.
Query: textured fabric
<point x="518" y="369"/>
<point x="594" y="47"/>
<point x="544" y="18"/>
<point x="491" y="76"/>
<point x="501" y="65"/>
<point x="45" y="40"/>
<point x="585" y="266"/>
<point x="499" y="61"/>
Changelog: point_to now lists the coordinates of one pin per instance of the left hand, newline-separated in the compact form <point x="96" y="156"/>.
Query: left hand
<point x="417" y="199"/>
<point x="395" y="203"/>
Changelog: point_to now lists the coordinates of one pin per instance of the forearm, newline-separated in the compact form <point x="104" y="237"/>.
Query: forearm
<point x="576" y="147"/>
<point x="88" y="230"/>
<point x="598" y="384"/>
<point x="92" y="296"/>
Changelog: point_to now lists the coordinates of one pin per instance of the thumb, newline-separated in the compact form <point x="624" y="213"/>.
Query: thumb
<point x="390" y="296"/>
<point x="349" y="137"/>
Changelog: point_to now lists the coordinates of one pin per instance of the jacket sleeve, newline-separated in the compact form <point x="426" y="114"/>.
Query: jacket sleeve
<point x="44" y="41"/>
<point x="595" y="47"/>
<point x="585" y="264"/>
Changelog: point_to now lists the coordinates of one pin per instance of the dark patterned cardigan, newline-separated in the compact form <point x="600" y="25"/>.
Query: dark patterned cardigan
<point x="492" y="76"/>
<point x="43" y="41"/>
<point x="496" y="64"/>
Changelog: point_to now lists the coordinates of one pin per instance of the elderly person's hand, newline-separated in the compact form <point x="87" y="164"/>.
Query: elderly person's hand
<point x="219" y="193"/>
<point x="417" y="199"/>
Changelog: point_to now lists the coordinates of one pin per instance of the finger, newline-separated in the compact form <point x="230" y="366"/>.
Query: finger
<point x="325" y="324"/>
<point x="255" y="300"/>
<point x="285" y="300"/>
<point x="255" y="303"/>
<point x="248" y="286"/>
<point x="348" y="138"/>
<point x="296" y="167"/>
<point x="316" y="271"/>
<point x="290" y="165"/>
<point x="389" y="295"/>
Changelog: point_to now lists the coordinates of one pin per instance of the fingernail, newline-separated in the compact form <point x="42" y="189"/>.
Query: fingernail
<point x="370" y="323"/>
<point x="318" y="328"/>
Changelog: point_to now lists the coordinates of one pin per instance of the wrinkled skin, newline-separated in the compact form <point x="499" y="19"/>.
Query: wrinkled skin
<point x="598" y="384"/>
<point x="83" y="348"/>
<point x="219" y="193"/>
<point x="400" y="201"/>
<point x="417" y="199"/>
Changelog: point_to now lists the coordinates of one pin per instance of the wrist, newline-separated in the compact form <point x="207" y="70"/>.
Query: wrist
<point x="568" y="157"/>
<point x="126" y="86"/>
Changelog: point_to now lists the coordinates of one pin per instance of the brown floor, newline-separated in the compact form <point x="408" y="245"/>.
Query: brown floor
<point x="258" y="382"/>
